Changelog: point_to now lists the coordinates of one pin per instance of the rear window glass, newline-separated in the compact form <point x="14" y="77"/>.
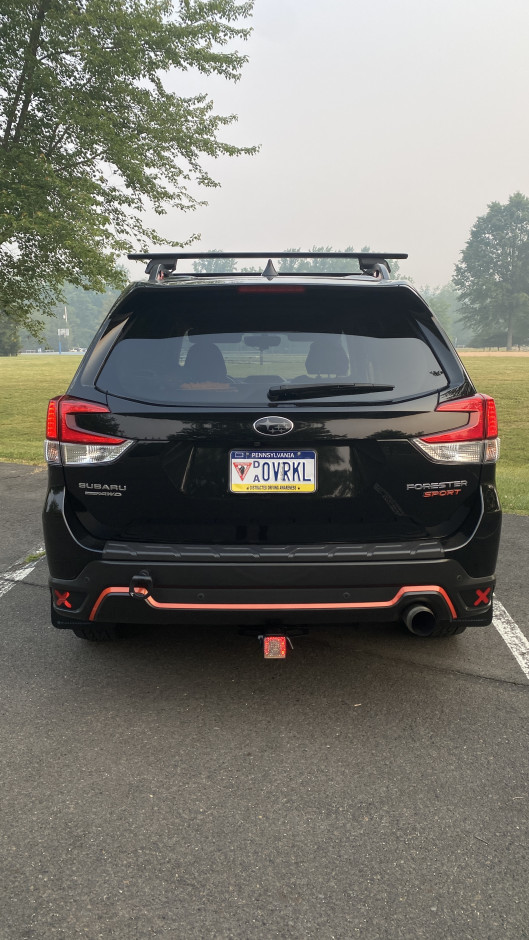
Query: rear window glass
<point x="210" y="346"/>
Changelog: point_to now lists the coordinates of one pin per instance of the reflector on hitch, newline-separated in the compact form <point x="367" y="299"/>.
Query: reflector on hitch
<point x="275" y="647"/>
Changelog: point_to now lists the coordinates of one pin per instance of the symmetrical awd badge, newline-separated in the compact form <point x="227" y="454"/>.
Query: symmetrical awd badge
<point x="273" y="425"/>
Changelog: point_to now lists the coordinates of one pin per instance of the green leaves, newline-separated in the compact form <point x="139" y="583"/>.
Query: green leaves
<point x="493" y="275"/>
<point x="90" y="137"/>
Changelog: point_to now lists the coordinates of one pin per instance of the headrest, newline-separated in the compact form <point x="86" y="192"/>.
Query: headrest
<point x="205" y="361"/>
<point x="327" y="357"/>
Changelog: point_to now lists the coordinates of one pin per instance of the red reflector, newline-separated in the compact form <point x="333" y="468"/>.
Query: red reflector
<point x="492" y="417"/>
<point x="275" y="647"/>
<point x="271" y="288"/>
<point x="482" y="597"/>
<point x="52" y="419"/>
<point x="61" y="424"/>
<point x="61" y="598"/>
<point x="481" y="422"/>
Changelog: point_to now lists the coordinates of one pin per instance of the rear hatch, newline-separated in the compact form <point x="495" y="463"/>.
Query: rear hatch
<point x="271" y="414"/>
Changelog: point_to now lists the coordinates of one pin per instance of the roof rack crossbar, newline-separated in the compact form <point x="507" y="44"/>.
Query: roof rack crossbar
<point x="161" y="264"/>
<point x="334" y="274"/>
<point x="170" y="256"/>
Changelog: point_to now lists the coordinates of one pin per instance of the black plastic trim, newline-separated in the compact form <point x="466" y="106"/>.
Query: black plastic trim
<point x="257" y="554"/>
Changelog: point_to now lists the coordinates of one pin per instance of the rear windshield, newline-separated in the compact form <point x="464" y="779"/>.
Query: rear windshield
<point x="211" y="346"/>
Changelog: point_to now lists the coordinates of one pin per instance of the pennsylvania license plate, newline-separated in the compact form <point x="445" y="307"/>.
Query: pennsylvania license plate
<point x="272" y="471"/>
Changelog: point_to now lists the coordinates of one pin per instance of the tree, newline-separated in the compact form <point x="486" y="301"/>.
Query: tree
<point x="85" y="311"/>
<point x="215" y="265"/>
<point x="493" y="275"/>
<point x="288" y="265"/>
<point x="90" y="137"/>
<point x="306" y="265"/>
<point x="497" y="340"/>
<point x="333" y="265"/>
<point x="9" y="339"/>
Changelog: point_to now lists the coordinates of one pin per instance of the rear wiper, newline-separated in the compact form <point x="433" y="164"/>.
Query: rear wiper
<point x="291" y="392"/>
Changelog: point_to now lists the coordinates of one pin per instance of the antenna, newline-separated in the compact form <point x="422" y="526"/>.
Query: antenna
<point x="269" y="272"/>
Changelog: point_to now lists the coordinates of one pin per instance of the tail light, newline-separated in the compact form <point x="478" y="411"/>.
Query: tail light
<point x="67" y="443"/>
<point x="474" y="441"/>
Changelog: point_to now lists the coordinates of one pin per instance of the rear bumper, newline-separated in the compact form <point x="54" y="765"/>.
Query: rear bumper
<point x="296" y="594"/>
<point x="263" y="584"/>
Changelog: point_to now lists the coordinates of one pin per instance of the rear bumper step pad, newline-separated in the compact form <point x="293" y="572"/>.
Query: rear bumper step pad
<point x="145" y="553"/>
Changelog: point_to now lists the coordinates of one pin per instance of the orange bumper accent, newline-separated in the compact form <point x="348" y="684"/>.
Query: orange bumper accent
<point x="346" y="605"/>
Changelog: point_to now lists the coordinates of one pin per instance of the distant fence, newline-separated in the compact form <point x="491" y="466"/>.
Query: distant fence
<point x="51" y="352"/>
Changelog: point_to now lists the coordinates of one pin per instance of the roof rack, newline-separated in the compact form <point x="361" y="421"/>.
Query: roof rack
<point x="162" y="264"/>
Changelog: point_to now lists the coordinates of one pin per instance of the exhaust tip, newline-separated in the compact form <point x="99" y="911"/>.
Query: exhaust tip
<point x="420" y="620"/>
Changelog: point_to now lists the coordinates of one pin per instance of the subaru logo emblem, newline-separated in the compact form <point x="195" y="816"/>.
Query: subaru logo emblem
<point x="273" y="425"/>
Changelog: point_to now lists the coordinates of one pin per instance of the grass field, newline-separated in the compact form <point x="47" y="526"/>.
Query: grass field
<point x="506" y="378"/>
<point x="26" y="385"/>
<point x="27" y="382"/>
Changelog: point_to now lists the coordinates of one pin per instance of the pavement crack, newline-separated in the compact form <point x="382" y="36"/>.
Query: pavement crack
<point x="34" y="584"/>
<point x="447" y="670"/>
<point x="22" y="581"/>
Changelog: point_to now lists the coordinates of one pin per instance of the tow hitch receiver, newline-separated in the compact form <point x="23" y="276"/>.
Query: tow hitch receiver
<point x="141" y="585"/>
<point x="275" y="646"/>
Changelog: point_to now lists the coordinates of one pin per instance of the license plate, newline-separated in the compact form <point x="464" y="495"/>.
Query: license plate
<point x="272" y="471"/>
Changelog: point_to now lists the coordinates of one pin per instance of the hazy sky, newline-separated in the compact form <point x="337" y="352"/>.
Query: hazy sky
<point x="391" y="124"/>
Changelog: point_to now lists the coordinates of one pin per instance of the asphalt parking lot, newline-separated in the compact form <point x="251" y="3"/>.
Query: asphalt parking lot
<point x="373" y="785"/>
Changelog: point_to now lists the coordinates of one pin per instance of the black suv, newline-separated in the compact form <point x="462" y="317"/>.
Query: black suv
<point x="271" y="451"/>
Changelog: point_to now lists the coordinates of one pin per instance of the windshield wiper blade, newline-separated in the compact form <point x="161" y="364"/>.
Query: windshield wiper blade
<point x="328" y="390"/>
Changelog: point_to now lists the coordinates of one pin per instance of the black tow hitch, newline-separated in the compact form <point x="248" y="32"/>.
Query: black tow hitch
<point x="141" y="585"/>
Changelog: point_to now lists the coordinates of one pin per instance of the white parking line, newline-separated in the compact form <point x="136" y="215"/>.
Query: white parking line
<point x="19" y="570"/>
<point x="513" y="636"/>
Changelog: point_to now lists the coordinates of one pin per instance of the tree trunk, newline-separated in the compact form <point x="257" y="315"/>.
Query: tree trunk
<point x="24" y="89"/>
<point x="509" y="331"/>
